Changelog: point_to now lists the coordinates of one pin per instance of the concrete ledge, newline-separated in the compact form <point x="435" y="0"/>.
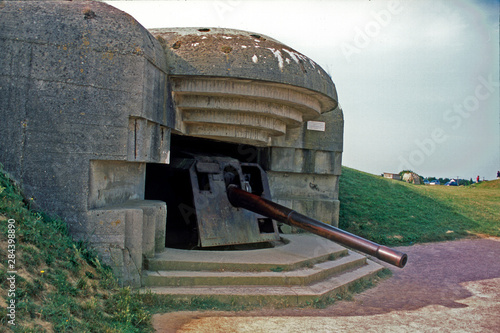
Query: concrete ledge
<point x="127" y="233"/>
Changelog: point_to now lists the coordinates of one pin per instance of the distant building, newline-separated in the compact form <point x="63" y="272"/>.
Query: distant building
<point x="411" y="177"/>
<point x="392" y="176"/>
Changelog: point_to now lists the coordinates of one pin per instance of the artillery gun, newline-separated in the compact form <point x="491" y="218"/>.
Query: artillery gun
<point x="228" y="203"/>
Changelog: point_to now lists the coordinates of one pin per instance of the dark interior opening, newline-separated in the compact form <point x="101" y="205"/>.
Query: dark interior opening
<point x="203" y="181"/>
<point x="174" y="187"/>
<point x="265" y="225"/>
<point x="180" y="145"/>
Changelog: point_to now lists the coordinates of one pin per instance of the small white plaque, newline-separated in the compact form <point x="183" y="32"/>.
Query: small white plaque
<point x="316" y="126"/>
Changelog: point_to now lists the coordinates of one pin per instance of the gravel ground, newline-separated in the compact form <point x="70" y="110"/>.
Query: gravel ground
<point x="445" y="287"/>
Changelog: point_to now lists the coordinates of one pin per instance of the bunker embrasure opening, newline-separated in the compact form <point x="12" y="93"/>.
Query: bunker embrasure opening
<point x="194" y="185"/>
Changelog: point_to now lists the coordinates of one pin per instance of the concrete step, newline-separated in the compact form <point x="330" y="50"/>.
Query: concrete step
<point x="245" y="276"/>
<point x="299" y="250"/>
<point x="274" y="295"/>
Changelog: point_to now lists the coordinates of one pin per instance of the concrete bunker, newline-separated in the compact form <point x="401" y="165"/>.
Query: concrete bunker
<point x="98" y="112"/>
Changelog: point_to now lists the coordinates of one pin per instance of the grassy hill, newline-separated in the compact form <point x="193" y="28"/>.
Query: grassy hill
<point x="60" y="285"/>
<point x="396" y="213"/>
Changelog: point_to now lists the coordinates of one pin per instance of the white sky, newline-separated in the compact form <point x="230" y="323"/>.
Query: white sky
<point x="418" y="80"/>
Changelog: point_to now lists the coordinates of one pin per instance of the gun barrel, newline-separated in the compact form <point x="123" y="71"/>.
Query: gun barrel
<point x="256" y="204"/>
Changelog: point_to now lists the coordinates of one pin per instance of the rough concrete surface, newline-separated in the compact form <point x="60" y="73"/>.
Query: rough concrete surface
<point x="219" y="52"/>
<point x="446" y="287"/>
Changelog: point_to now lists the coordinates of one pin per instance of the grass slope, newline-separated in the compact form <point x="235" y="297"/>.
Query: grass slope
<point x="60" y="286"/>
<point x="392" y="212"/>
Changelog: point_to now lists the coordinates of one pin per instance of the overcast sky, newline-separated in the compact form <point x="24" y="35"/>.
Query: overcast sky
<point x="418" y="80"/>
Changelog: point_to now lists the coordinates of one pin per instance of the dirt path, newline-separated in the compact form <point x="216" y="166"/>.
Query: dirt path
<point x="453" y="286"/>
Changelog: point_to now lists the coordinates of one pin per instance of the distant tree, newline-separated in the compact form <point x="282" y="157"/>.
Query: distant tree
<point x="464" y="182"/>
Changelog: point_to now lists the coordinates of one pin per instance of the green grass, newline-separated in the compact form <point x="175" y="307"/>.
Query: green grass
<point x="393" y="213"/>
<point x="478" y="202"/>
<point x="60" y="284"/>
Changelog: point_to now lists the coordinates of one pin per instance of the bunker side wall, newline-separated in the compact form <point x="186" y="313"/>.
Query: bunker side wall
<point x="83" y="95"/>
<point x="305" y="166"/>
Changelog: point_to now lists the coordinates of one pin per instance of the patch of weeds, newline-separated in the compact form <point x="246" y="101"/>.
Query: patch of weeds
<point x="359" y="286"/>
<point x="33" y="289"/>
<point x="325" y="302"/>
<point x="277" y="269"/>
<point x="106" y="278"/>
<point x="91" y="309"/>
<point x="332" y="257"/>
<point x="59" y="279"/>
<point x="71" y="324"/>
<point x="26" y="308"/>
<point x="20" y="286"/>
<point x="31" y="256"/>
<point x="3" y="315"/>
<point x="3" y="279"/>
<point x="208" y="303"/>
<point x="82" y="284"/>
<point x="35" y="329"/>
<point x="61" y="311"/>
<point x="156" y="303"/>
<point x="126" y="307"/>
<point x="384" y="273"/>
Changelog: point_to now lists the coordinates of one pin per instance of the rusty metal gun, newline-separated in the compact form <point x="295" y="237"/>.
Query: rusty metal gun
<point x="206" y="214"/>
<point x="254" y="203"/>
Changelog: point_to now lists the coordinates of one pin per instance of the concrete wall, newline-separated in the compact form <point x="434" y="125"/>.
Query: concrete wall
<point x="305" y="166"/>
<point x="84" y="105"/>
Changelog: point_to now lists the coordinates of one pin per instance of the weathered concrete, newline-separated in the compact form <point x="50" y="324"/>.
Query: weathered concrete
<point x="127" y="233"/>
<point x="229" y="53"/>
<point x="305" y="166"/>
<point x="242" y="87"/>
<point x="306" y="269"/>
<point x="83" y="92"/>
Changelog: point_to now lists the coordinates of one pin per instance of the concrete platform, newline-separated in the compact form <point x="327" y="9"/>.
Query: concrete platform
<point x="297" y="251"/>
<point x="304" y="269"/>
